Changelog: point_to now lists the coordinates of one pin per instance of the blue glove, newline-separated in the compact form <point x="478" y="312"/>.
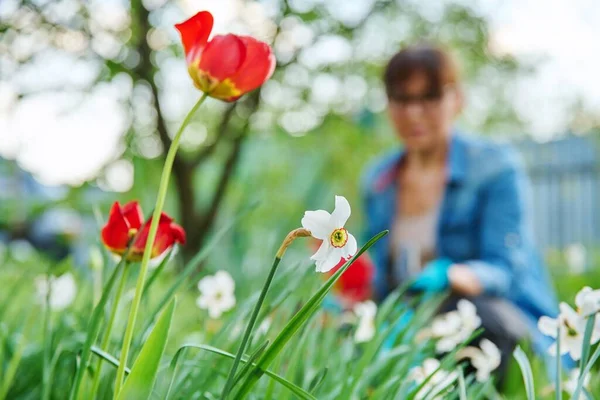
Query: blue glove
<point x="434" y="277"/>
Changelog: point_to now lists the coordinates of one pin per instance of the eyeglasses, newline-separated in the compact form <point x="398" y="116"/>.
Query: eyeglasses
<point x="427" y="100"/>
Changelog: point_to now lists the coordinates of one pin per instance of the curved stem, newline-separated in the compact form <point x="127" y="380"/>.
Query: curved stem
<point x="160" y="201"/>
<point x="108" y="331"/>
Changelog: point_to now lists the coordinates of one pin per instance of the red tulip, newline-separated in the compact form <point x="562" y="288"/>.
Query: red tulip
<point x="227" y="66"/>
<point x="355" y="283"/>
<point x="125" y="224"/>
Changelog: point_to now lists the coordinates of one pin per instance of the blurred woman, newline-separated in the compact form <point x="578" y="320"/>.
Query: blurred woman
<point x="457" y="207"/>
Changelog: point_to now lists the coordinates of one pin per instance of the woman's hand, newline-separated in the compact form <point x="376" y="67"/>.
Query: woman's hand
<point x="441" y="274"/>
<point x="464" y="281"/>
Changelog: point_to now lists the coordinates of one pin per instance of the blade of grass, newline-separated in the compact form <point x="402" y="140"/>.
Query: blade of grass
<point x="585" y="353"/>
<point x="13" y="364"/>
<point x="92" y="331"/>
<point x="525" y="366"/>
<point x="251" y="361"/>
<point x="156" y="272"/>
<point x="462" y="387"/>
<point x="112" y="360"/>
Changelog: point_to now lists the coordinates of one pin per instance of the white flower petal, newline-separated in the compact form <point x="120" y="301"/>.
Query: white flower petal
<point x="318" y="223"/>
<point x="351" y="246"/>
<point x="323" y="251"/>
<point x="341" y="213"/>
<point x="206" y="284"/>
<point x="366" y="309"/>
<point x="328" y="263"/>
<point x="466" y="309"/>
<point x="225" y="282"/>
<point x="364" y="332"/>
<point x="491" y="351"/>
<point x="548" y="326"/>
<point x="573" y="346"/>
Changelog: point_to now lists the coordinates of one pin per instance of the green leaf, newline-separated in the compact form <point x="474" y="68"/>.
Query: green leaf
<point x="311" y="306"/>
<point x="585" y="353"/>
<point x="298" y="391"/>
<point x="141" y="380"/>
<point x="108" y="357"/>
<point x="525" y="366"/>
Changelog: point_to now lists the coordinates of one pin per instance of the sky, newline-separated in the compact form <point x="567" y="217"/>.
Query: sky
<point x="62" y="147"/>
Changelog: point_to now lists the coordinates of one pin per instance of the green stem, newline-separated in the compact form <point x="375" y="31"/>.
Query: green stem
<point x="107" y="332"/>
<point x="160" y="201"/>
<point x="47" y="339"/>
<point x="249" y="328"/>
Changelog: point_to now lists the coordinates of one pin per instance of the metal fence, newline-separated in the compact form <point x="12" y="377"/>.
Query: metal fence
<point x="565" y="181"/>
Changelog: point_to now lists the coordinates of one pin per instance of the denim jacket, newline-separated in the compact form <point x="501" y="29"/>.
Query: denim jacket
<point x="484" y="223"/>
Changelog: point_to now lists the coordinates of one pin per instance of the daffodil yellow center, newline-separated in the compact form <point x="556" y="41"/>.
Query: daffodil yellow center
<point x="339" y="237"/>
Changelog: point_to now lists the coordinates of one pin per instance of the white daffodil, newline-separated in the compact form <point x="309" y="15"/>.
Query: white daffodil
<point x="62" y="291"/>
<point x="216" y="293"/>
<point x="454" y="327"/>
<point x="571" y="384"/>
<point x="337" y="241"/>
<point x="438" y="382"/>
<point x="572" y="329"/>
<point x="485" y="358"/>
<point x="588" y="301"/>
<point x="365" y="329"/>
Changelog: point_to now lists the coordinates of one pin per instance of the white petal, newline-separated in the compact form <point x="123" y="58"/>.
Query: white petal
<point x="341" y="213"/>
<point x="366" y="309"/>
<point x="581" y="295"/>
<point x="351" y="246"/>
<point x="364" y="332"/>
<point x="214" y="311"/>
<point x="206" y="284"/>
<point x="318" y="223"/>
<point x="548" y="326"/>
<point x="574" y="347"/>
<point x="225" y="282"/>
<point x="323" y="251"/>
<point x="491" y="351"/>
<point x="227" y="302"/>
<point x="325" y="265"/>
<point x="466" y="309"/>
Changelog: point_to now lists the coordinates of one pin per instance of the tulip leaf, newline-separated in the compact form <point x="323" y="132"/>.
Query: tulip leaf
<point x="141" y="380"/>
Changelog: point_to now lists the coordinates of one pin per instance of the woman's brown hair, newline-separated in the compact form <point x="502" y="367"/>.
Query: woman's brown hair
<point x="433" y="61"/>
